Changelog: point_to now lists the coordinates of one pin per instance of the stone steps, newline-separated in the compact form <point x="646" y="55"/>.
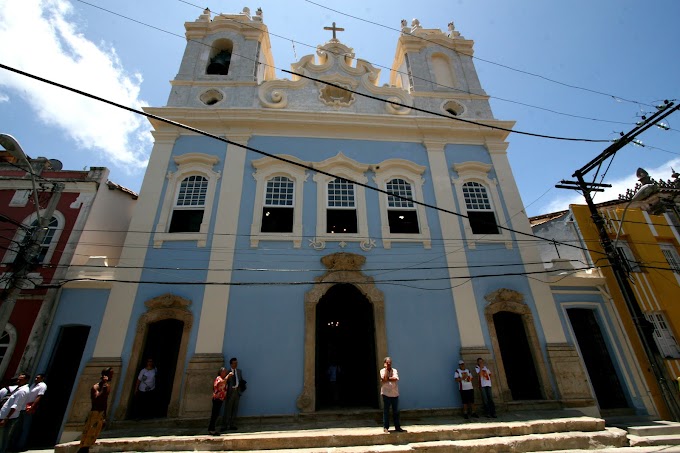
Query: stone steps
<point x="658" y="428"/>
<point x="531" y="435"/>
<point x="648" y="441"/>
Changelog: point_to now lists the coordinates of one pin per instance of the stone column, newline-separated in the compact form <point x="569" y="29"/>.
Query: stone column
<point x="469" y="324"/>
<point x="209" y="356"/>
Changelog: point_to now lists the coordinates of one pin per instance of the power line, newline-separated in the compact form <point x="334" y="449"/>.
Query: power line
<point x="568" y="85"/>
<point x="255" y="150"/>
<point x="361" y="94"/>
<point x="313" y="282"/>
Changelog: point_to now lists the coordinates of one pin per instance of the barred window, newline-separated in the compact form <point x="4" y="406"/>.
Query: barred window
<point x="672" y="257"/>
<point x="476" y="197"/>
<point x="340" y="194"/>
<point x="192" y="191"/>
<point x="280" y="192"/>
<point x="401" y="188"/>
<point x="480" y="214"/>
<point x="189" y="208"/>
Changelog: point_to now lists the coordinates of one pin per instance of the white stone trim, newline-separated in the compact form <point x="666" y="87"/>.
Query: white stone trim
<point x="265" y="169"/>
<point x="352" y="170"/>
<point x="479" y="172"/>
<point x="189" y="164"/>
<point x="412" y="173"/>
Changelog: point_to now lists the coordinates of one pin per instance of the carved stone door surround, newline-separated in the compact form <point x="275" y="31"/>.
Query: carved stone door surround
<point x="342" y="268"/>
<point x="167" y="306"/>
<point x="512" y="301"/>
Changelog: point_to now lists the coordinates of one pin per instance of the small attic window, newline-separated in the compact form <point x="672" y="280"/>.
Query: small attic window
<point x="211" y="97"/>
<point x="220" y="57"/>
<point x="453" y="108"/>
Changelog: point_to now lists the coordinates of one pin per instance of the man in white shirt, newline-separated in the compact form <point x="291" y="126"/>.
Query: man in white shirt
<point x="8" y="389"/>
<point x="484" y="375"/>
<point x="10" y="411"/>
<point x="467" y="392"/>
<point x="389" y="389"/>
<point x="35" y="394"/>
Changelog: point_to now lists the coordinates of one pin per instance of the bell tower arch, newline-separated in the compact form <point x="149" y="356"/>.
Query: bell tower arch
<point x="224" y="53"/>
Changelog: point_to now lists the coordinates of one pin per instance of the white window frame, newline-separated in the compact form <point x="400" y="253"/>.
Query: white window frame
<point x="412" y="173"/>
<point x="4" y="363"/>
<point x="346" y="168"/>
<point x="479" y="172"/>
<point x="265" y="169"/>
<point x="622" y="248"/>
<point x="663" y="336"/>
<point x="20" y="234"/>
<point x="189" y="164"/>
<point x="673" y="259"/>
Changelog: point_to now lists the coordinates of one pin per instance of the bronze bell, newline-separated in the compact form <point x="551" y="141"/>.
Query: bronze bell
<point x="220" y="63"/>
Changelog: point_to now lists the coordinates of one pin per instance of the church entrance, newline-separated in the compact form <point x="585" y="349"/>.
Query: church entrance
<point x="345" y="374"/>
<point x="518" y="361"/>
<point x="601" y="371"/>
<point x="162" y="344"/>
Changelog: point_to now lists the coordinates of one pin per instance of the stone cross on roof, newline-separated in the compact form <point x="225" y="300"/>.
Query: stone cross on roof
<point x="334" y="28"/>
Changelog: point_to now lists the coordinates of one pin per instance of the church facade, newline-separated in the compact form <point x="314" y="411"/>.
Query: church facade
<point x="291" y="262"/>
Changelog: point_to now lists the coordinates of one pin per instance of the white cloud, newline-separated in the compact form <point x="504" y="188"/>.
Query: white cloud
<point x="619" y="186"/>
<point x="45" y="43"/>
<point x="4" y="98"/>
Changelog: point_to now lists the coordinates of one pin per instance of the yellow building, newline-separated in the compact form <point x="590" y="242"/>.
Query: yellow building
<point x="648" y="245"/>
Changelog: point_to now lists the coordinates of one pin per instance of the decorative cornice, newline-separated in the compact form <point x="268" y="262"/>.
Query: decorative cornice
<point x="199" y="158"/>
<point x="505" y="295"/>
<point x="472" y="167"/>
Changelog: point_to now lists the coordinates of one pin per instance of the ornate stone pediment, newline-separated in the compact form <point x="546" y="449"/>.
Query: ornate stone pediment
<point x="167" y="301"/>
<point x="334" y="63"/>
<point x="344" y="261"/>
<point x="505" y="295"/>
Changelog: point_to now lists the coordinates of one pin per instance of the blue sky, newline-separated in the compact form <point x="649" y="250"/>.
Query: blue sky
<point x="625" y="48"/>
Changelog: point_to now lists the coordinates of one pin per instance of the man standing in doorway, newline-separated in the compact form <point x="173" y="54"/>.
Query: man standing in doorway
<point x="234" y="390"/>
<point x="389" y="389"/>
<point x="145" y="391"/>
<point x="35" y="394"/>
<point x="10" y="411"/>
<point x="467" y="392"/>
<point x="484" y="375"/>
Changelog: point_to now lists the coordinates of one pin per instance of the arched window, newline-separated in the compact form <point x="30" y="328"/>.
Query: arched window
<point x="8" y="340"/>
<point x="341" y="212"/>
<point x="48" y="244"/>
<point x="443" y="76"/>
<point x="480" y="213"/>
<point x="187" y="215"/>
<point x="45" y="248"/>
<point x="401" y="214"/>
<point x="220" y="57"/>
<point x="279" y="205"/>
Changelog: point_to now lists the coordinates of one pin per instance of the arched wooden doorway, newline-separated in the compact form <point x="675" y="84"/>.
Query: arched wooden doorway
<point x="342" y="268"/>
<point x="515" y="342"/>
<point x="149" y="335"/>
<point x="345" y="350"/>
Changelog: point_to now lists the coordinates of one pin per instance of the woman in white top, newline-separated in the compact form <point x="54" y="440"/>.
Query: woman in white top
<point x="145" y="394"/>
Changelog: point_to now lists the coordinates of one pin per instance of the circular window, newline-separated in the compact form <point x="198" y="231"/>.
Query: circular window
<point x="211" y="97"/>
<point x="453" y="108"/>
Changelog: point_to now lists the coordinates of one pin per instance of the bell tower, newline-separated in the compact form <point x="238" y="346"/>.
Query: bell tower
<point x="225" y="53"/>
<point x="439" y="65"/>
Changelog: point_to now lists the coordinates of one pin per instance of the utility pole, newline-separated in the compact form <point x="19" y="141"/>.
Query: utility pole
<point x="24" y="262"/>
<point x="643" y="327"/>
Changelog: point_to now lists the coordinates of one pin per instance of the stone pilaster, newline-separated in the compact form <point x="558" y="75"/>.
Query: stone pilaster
<point x="81" y="404"/>
<point x="570" y="376"/>
<point x="198" y="381"/>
